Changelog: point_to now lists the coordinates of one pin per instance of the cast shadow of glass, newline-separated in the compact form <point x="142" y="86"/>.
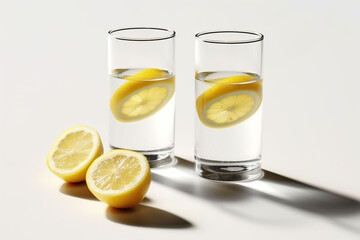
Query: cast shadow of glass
<point x="272" y="190"/>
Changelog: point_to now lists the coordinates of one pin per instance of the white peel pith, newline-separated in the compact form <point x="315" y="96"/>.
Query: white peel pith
<point x="110" y="155"/>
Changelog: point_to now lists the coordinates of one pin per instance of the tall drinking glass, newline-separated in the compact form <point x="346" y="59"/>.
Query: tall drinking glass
<point x="142" y="86"/>
<point x="229" y="105"/>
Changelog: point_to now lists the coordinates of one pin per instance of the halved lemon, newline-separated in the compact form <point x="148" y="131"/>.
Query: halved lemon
<point x="119" y="178"/>
<point x="143" y="95"/>
<point x="232" y="100"/>
<point x="73" y="152"/>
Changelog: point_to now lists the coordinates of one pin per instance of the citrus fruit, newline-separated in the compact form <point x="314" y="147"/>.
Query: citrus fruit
<point x="119" y="178"/>
<point x="230" y="101"/>
<point x="144" y="94"/>
<point x="73" y="152"/>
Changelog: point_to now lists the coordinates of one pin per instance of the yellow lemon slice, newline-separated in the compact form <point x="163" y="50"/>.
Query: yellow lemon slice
<point x="119" y="178"/>
<point x="143" y="95"/>
<point x="73" y="152"/>
<point x="232" y="100"/>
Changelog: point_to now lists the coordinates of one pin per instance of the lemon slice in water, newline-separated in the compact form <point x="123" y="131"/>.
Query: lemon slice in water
<point x="230" y="101"/>
<point x="144" y="94"/>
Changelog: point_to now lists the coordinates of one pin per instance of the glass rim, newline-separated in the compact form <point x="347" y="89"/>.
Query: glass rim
<point x="171" y="32"/>
<point x="258" y="37"/>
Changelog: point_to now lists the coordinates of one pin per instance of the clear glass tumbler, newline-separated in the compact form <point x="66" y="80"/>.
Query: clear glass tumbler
<point x="142" y="88"/>
<point x="229" y="105"/>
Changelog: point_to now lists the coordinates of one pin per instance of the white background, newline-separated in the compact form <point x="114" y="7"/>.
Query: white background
<point x="53" y="65"/>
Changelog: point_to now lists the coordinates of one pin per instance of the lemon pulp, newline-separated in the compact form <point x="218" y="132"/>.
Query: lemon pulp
<point x="116" y="173"/>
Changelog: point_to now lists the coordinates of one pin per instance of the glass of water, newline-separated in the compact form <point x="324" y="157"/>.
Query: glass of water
<point x="228" y="105"/>
<point x="142" y="88"/>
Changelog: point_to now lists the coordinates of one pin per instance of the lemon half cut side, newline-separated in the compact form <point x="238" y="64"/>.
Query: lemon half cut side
<point x="144" y="94"/>
<point x="230" y="101"/>
<point x="73" y="152"/>
<point x="120" y="178"/>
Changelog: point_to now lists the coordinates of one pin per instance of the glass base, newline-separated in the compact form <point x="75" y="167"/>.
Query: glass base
<point x="243" y="171"/>
<point x="157" y="158"/>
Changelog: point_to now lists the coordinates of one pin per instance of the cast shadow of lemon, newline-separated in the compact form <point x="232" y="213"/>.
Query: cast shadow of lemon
<point x="79" y="190"/>
<point x="146" y="216"/>
<point x="141" y="215"/>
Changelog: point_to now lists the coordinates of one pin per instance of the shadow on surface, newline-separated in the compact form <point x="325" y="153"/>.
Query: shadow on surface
<point x="79" y="190"/>
<point x="342" y="211"/>
<point x="145" y="216"/>
<point x="309" y="198"/>
<point x="179" y="177"/>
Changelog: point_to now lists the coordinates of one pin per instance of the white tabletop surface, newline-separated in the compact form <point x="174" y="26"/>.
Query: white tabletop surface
<point x="53" y="76"/>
